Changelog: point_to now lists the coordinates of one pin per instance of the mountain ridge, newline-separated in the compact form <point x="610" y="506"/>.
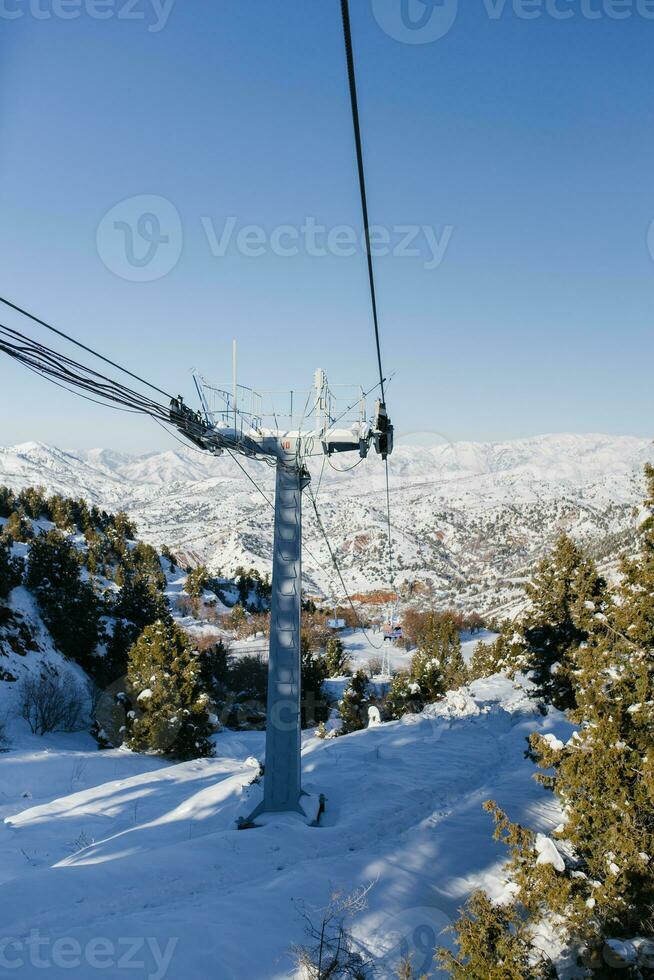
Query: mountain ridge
<point x="469" y="519"/>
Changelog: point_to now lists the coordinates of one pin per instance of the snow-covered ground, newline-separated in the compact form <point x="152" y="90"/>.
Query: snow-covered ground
<point x="112" y="857"/>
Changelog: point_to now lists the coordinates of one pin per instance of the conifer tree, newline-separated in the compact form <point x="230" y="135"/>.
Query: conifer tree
<point x="170" y="713"/>
<point x="11" y="569"/>
<point x="7" y="501"/>
<point x="495" y="942"/>
<point x="411" y="691"/>
<point x="215" y="663"/>
<point x="506" y="654"/>
<point x="597" y="887"/>
<point x="564" y="582"/>
<point x="18" y="528"/>
<point x="197" y="581"/>
<point x="33" y="501"/>
<point x="170" y="557"/>
<point x="404" y="696"/>
<point x="139" y="604"/>
<point x="353" y="707"/>
<point x="68" y="604"/>
<point x="336" y="659"/>
<point x="313" y="671"/>
<point x="439" y="640"/>
<point x="61" y="512"/>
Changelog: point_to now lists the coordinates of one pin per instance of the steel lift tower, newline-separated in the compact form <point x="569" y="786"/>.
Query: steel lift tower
<point x="237" y="428"/>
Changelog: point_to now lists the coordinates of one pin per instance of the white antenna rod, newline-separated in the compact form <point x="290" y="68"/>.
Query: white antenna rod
<point x="234" y="383"/>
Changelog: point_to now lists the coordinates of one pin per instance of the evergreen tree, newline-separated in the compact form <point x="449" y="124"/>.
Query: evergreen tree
<point x="61" y="512"/>
<point x="170" y="557"/>
<point x="7" y="501"/>
<point x="95" y="554"/>
<point x="11" y="569"/>
<point x="197" y="581"/>
<point x="495" y="942"/>
<point x="169" y="709"/>
<point x="404" y="696"/>
<point x="439" y="639"/>
<point x="506" y="654"/>
<point x="353" y="707"/>
<point x="336" y="659"/>
<point x="18" y="528"/>
<point x="123" y="527"/>
<point x="67" y="603"/>
<point x="33" y="501"/>
<point x="313" y="675"/>
<point x="436" y="667"/>
<point x="139" y="604"/>
<point x="564" y="581"/>
<point x="600" y="887"/>
<point x="214" y="664"/>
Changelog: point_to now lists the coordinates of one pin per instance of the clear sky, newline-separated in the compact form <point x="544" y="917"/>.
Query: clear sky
<point x="521" y="141"/>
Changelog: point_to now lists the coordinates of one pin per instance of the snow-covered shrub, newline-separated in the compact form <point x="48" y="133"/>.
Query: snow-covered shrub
<point x="53" y="702"/>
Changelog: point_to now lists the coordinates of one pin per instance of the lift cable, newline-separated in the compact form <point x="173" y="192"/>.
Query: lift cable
<point x="64" y="371"/>
<point x="349" y="53"/>
<point x="78" y="343"/>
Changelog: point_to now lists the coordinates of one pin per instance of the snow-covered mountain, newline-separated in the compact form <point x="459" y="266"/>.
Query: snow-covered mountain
<point x="469" y="519"/>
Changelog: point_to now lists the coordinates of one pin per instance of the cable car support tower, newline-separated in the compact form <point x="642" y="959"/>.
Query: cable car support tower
<point x="235" y="430"/>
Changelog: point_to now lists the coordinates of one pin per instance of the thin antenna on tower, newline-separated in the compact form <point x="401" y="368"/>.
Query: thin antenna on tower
<point x="234" y="383"/>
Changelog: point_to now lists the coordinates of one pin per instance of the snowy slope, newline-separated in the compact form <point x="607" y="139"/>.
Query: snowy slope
<point x="119" y="848"/>
<point x="469" y="519"/>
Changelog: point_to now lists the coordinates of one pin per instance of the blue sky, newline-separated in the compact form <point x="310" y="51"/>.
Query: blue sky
<point x="524" y="147"/>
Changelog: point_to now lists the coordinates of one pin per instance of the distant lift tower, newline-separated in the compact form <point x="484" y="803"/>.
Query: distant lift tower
<point x="237" y="426"/>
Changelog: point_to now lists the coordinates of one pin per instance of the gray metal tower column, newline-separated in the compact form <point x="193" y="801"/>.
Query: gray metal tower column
<point x="282" y="787"/>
